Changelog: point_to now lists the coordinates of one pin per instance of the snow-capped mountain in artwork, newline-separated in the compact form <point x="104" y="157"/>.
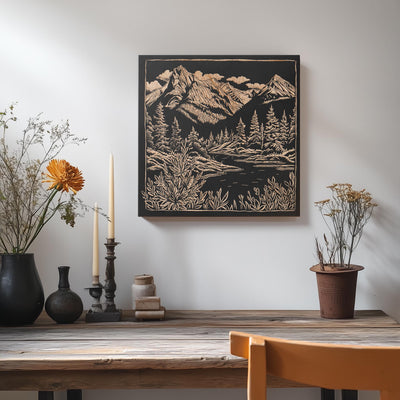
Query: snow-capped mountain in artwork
<point x="277" y="88"/>
<point x="210" y="98"/>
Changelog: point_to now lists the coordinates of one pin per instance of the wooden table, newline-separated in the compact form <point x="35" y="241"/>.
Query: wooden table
<point x="190" y="349"/>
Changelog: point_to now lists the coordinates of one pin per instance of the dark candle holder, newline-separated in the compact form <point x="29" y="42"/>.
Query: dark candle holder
<point x="109" y="312"/>
<point x="95" y="291"/>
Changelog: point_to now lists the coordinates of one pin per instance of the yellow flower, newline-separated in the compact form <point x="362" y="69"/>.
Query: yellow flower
<point x="63" y="176"/>
<point x="321" y="202"/>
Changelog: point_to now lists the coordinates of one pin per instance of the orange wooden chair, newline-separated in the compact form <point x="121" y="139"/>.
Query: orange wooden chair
<point x="320" y="365"/>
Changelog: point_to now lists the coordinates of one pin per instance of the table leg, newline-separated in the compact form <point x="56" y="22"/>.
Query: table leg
<point x="349" y="395"/>
<point x="74" y="394"/>
<point x="45" y="395"/>
<point x="327" y="394"/>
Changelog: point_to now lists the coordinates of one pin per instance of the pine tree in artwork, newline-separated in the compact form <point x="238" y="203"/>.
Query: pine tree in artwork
<point x="262" y="136"/>
<point x="241" y="132"/>
<point x="149" y="131"/>
<point x="210" y="141"/>
<point x="292" y="128"/>
<point x="254" y="134"/>
<point x="160" y="129"/>
<point x="220" y="137"/>
<point x="193" y="137"/>
<point x="176" y="138"/>
<point x="226" y="135"/>
<point x="271" y="128"/>
<point x="284" y="129"/>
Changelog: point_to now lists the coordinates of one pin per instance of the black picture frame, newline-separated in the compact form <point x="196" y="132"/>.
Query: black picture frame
<point x="219" y="135"/>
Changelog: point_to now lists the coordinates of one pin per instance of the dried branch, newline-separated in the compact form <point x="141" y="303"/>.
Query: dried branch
<point x="25" y="205"/>
<point x="345" y="214"/>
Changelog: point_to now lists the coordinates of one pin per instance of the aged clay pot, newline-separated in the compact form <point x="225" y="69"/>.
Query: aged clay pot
<point x="337" y="290"/>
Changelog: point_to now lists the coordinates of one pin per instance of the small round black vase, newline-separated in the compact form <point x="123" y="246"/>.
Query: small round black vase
<point x="21" y="291"/>
<point x="64" y="306"/>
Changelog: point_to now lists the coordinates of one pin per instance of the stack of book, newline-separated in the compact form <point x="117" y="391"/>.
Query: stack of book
<point x="149" y="307"/>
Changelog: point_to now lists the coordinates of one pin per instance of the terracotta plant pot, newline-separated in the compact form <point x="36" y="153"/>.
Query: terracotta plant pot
<point x="337" y="290"/>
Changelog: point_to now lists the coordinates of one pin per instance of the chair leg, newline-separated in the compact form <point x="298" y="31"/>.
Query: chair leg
<point x="327" y="394"/>
<point x="74" y="394"/>
<point x="42" y="395"/>
<point x="349" y="395"/>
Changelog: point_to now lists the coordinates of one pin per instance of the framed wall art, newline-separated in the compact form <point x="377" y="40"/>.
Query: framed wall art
<point x="219" y="135"/>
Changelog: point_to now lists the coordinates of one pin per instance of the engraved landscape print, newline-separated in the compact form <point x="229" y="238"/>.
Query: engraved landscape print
<point x="218" y="135"/>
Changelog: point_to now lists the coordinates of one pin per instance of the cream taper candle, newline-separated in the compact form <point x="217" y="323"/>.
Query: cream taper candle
<point x="95" y="259"/>
<point x="111" y="228"/>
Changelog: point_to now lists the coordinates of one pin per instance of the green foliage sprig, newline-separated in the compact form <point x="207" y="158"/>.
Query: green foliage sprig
<point x="25" y="205"/>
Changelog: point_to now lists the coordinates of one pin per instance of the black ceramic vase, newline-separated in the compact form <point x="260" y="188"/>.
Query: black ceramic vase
<point x="21" y="291"/>
<point x="64" y="305"/>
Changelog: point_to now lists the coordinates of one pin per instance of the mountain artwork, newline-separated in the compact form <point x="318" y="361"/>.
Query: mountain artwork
<point x="219" y="135"/>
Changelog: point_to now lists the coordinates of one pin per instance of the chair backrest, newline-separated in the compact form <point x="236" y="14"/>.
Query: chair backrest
<point x="329" y="366"/>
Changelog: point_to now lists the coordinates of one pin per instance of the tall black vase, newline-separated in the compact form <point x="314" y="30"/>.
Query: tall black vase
<point x="64" y="306"/>
<point x="21" y="291"/>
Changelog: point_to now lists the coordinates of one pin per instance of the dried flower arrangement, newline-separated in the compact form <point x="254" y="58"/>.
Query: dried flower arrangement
<point x="25" y="206"/>
<point x="345" y="214"/>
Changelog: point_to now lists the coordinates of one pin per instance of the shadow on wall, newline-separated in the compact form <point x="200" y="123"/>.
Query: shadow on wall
<point x="384" y="278"/>
<point x="172" y="272"/>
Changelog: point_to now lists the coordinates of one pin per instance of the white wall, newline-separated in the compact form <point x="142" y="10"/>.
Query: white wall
<point x="77" y="60"/>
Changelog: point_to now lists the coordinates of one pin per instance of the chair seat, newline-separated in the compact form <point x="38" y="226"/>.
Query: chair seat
<point x="328" y="366"/>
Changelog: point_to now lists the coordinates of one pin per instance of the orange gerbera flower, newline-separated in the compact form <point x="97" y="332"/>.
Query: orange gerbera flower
<point x="63" y="176"/>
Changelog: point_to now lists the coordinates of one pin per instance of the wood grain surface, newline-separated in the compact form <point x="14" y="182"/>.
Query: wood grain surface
<point x="188" y="349"/>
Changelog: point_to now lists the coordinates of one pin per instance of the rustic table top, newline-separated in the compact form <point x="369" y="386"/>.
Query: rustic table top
<point x="186" y="340"/>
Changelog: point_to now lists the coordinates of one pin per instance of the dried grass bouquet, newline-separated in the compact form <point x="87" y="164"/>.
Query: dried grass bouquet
<point x="25" y="205"/>
<point x="345" y="214"/>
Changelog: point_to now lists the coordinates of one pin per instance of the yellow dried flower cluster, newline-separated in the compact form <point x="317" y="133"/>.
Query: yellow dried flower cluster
<point x="345" y="192"/>
<point x="333" y="212"/>
<point x="321" y="202"/>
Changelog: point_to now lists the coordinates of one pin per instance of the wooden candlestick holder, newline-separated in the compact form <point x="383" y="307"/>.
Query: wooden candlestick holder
<point x="108" y="312"/>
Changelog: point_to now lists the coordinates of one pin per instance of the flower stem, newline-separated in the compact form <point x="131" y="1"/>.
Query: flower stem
<point x="42" y="221"/>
